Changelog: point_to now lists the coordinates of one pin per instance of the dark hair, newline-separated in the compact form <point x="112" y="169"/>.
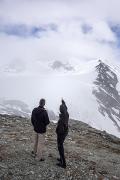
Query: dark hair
<point x="42" y="102"/>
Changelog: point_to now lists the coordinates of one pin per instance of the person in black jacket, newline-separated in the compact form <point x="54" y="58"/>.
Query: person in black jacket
<point x="62" y="131"/>
<point x="40" y="120"/>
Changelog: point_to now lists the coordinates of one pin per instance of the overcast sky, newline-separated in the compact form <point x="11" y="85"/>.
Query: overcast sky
<point x="43" y="39"/>
<point x="40" y="37"/>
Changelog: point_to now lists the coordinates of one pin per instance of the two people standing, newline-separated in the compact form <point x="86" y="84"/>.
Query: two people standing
<point x="40" y="120"/>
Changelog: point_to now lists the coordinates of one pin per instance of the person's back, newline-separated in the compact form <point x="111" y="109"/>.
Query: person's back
<point x="40" y="120"/>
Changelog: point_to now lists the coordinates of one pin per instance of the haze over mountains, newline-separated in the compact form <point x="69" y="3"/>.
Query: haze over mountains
<point x="91" y="92"/>
<point x="19" y="108"/>
<point x="14" y="107"/>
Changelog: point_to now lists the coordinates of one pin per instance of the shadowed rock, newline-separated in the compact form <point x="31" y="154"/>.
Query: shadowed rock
<point x="106" y="93"/>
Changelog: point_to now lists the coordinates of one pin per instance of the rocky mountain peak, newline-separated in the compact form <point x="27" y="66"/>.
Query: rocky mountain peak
<point x="106" y="93"/>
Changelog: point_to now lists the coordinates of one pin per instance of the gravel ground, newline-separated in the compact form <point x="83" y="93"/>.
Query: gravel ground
<point x="90" y="154"/>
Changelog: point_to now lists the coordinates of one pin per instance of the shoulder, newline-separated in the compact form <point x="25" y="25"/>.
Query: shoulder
<point x="45" y="111"/>
<point x="34" y="110"/>
<point x="42" y="111"/>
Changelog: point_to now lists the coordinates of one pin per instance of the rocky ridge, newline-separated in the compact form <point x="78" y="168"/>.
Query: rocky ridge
<point x="91" y="154"/>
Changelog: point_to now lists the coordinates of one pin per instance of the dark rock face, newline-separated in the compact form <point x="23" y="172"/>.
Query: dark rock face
<point x="106" y="93"/>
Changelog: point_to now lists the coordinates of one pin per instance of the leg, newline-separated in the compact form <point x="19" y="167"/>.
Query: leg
<point x="41" y="146"/>
<point x="36" y="144"/>
<point x="60" y="141"/>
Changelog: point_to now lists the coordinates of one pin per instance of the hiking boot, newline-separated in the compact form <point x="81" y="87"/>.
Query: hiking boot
<point x="61" y="165"/>
<point x="58" y="159"/>
<point x="42" y="159"/>
<point x="33" y="154"/>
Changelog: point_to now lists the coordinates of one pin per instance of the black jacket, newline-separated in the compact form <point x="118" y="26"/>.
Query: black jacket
<point x="62" y="126"/>
<point x="39" y="119"/>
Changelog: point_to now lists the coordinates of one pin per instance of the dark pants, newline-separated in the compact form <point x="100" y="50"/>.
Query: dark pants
<point x="60" y="141"/>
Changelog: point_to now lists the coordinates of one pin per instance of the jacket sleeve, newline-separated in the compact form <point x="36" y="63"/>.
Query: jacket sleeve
<point x="46" y="118"/>
<point x="60" y="128"/>
<point x="33" y="117"/>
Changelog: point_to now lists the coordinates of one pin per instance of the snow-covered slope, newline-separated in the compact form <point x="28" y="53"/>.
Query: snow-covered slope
<point x="14" y="107"/>
<point x="91" y="92"/>
<point x="107" y="94"/>
<point x="19" y="108"/>
<point x="97" y="100"/>
<point x="106" y="90"/>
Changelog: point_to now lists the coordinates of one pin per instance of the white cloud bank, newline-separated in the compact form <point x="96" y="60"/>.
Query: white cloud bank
<point x="82" y="33"/>
<point x="49" y="48"/>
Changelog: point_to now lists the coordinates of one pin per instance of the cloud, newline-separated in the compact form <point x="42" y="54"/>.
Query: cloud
<point x="116" y="29"/>
<point x="86" y="28"/>
<point x="39" y="11"/>
<point x="36" y="32"/>
<point x="22" y="30"/>
<point x="44" y="43"/>
<point x="15" y="66"/>
<point x="58" y="65"/>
